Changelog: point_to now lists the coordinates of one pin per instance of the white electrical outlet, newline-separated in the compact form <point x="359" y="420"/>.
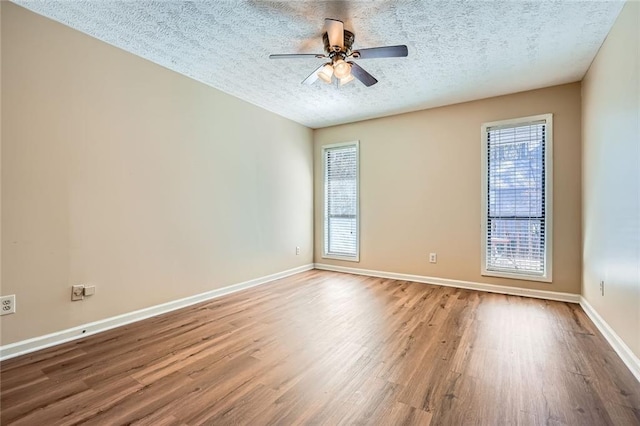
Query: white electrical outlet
<point x="89" y="290"/>
<point x="77" y="292"/>
<point x="297" y="251"/>
<point x="433" y="257"/>
<point x="8" y="304"/>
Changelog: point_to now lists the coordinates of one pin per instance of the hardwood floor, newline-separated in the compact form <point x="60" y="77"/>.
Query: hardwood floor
<point x="329" y="348"/>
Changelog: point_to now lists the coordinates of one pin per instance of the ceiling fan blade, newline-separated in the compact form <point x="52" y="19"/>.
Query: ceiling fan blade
<point x="359" y="73"/>
<point x="313" y="76"/>
<point x="296" y="56"/>
<point x="382" y="52"/>
<point x="335" y="32"/>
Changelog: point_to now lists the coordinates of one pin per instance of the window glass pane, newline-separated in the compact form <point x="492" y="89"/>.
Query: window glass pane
<point x="516" y="245"/>
<point x="515" y="199"/>
<point x="341" y="192"/>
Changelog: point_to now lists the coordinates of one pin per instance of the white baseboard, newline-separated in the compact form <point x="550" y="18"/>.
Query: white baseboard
<point x="41" y="342"/>
<point x="469" y="285"/>
<point x="34" y="344"/>
<point x="624" y="352"/>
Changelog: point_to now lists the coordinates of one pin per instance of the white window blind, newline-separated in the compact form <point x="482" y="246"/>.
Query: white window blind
<point x="516" y="222"/>
<point x="341" y="201"/>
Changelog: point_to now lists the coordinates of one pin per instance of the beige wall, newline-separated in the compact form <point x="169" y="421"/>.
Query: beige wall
<point x="0" y="159"/>
<point x="106" y="158"/>
<point x="120" y="173"/>
<point x="420" y="187"/>
<point x="611" y="178"/>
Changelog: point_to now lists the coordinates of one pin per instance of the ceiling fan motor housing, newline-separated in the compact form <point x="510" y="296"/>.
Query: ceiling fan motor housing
<point x="349" y="37"/>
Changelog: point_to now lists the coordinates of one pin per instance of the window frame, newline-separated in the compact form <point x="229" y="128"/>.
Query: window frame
<point x="325" y="254"/>
<point x="548" y="198"/>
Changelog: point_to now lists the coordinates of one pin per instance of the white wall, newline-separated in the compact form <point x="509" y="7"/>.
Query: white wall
<point x="611" y="178"/>
<point x="123" y="174"/>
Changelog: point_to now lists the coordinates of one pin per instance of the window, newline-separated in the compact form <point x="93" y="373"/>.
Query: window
<point x="341" y="201"/>
<point x="517" y="182"/>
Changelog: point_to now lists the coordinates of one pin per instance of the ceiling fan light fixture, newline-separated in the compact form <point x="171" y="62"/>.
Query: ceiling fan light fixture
<point x="326" y="73"/>
<point x="346" y="80"/>
<point x="338" y="50"/>
<point x="341" y="69"/>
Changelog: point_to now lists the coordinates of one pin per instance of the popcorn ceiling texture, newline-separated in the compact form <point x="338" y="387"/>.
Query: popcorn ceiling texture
<point x="458" y="50"/>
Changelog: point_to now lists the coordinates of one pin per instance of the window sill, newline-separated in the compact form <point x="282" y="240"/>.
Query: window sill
<point x="347" y="258"/>
<point x="513" y="276"/>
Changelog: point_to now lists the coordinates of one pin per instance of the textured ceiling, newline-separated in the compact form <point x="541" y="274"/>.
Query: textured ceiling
<point x="458" y="50"/>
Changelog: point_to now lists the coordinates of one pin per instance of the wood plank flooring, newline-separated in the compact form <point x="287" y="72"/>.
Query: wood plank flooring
<point x="329" y="348"/>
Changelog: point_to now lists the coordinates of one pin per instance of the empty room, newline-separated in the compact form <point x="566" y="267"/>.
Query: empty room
<point x="248" y="212"/>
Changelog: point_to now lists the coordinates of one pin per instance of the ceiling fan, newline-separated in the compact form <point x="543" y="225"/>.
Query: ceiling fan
<point x="338" y="44"/>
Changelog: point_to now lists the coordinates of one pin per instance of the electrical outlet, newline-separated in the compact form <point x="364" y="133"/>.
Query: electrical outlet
<point x="297" y="251"/>
<point x="8" y="304"/>
<point x="77" y="292"/>
<point x="89" y="290"/>
<point x="433" y="257"/>
<point x="602" y="288"/>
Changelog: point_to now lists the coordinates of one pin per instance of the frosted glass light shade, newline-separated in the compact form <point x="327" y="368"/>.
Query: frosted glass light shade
<point x="326" y="73"/>
<point x="341" y="69"/>
<point x="346" y="80"/>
